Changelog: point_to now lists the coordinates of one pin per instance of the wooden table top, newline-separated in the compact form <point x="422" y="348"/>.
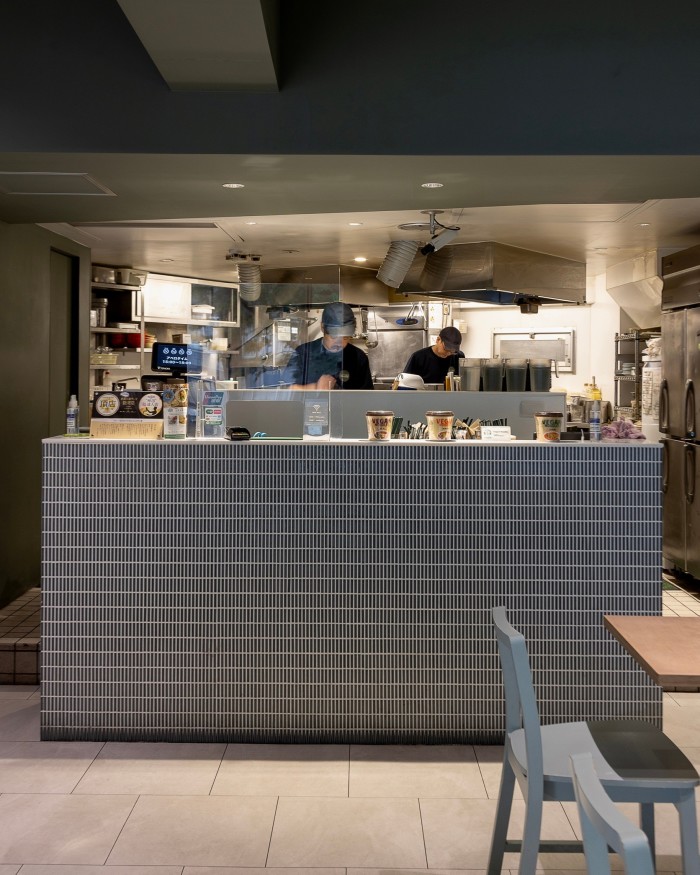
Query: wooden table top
<point x="667" y="648"/>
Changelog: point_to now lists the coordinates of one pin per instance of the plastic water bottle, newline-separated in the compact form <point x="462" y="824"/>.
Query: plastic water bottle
<point x="595" y="421"/>
<point x="72" y="416"/>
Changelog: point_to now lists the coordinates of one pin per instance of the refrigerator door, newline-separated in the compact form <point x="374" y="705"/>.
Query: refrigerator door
<point x="692" y="388"/>
<point x="692" y="509"/>
<point x="674" y="504"/>
<point x="672" y="413"/>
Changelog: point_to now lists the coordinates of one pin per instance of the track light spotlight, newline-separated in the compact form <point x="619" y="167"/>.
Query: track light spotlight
<point x="439" y="240"/>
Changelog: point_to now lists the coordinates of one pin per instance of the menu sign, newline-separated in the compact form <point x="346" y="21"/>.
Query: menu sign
<point x="130" y="415"/>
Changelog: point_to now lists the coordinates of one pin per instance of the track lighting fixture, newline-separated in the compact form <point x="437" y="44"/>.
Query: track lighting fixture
<point x="401" y="253"/>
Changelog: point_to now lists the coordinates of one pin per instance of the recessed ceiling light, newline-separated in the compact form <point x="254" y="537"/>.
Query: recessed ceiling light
<point x="166" y="260"/>
<point x="355" y="224"/>
<point x="644" y="225"/>
<point x="360" y="258"/>
<point x="431" y="185"/>
<point x="251" y="223"/>
<point x="233" y="185"/>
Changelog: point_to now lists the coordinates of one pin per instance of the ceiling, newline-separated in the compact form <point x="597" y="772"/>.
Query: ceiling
<point x="169" y="213"/>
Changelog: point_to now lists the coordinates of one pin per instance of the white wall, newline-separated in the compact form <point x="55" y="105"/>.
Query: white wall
<point x="595" y="325"/>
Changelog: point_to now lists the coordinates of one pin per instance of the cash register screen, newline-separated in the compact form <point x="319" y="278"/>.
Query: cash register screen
<point x="176" y="358"/>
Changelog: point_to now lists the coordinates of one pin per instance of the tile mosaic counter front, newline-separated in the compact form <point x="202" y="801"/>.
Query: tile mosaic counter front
<point x="338" y="592"/>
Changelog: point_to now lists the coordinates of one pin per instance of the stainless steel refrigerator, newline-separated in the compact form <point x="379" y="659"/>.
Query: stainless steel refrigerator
<point x="679" y="410"/>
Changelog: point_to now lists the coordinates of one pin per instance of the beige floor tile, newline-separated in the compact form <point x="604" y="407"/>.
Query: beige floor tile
<point x="196" y="831"/>
<point x="682" y="725"/>
<point x="442" y="771"/>
<point x="156" y="769"/>
<point x="228" y="870"/>
<point x="101" y="870"/>
<point x="691" y="700"/>
<point x="9" y="870"/>
<point x="53" y="828"/>
<point x="283" y="770"/>
<point x="490" y="759"/>
<point x="375" y="833"/>
<point x="44" y="766"/>
<point x="19" y="719"/>
<point x="418" y="872"/>
<point x="17" y="691"/>
<point x="693" y="754"/>
<point x="458" y="831"/>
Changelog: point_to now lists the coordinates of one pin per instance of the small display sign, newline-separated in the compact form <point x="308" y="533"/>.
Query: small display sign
<point x="213" y="414"/>
<point x="177" y="358"/>
<point x="495" y="433"/>
<point x="127" y="414"/>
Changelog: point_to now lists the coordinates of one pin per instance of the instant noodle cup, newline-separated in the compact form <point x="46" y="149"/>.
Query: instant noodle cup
<point x="440" y="425"/>
<point x="379" y="423"/>
<point x="548" y="426"/>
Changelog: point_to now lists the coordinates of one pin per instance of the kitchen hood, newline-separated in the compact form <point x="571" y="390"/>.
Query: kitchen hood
<point x="494" y="273"/>
<point x="320" y="284"/>
<point x="635" y="285"/>
<point x="485" y="273"/>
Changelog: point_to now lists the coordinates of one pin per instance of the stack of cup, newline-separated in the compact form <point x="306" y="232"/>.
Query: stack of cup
<point x="379" y="423"/>
<point x="440" y="425"/>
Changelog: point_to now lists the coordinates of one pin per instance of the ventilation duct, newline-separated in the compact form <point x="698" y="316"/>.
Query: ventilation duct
<point x="397" y="262"/>
<point x="249" y="277"/>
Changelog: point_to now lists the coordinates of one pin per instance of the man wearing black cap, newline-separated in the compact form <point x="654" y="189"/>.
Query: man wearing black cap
<point x="433" y="362"/>
<point x="331" y="362"/>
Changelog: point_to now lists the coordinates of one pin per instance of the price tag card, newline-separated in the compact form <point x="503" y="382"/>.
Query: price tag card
<point x="495" y="433"/>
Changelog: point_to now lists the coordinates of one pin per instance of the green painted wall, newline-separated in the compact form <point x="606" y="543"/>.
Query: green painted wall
<point x="25" y="349"/>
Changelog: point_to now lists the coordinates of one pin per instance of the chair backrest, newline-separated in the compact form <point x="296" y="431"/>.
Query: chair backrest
<point x="603" y="825"/>
<point x="521" y="703"/>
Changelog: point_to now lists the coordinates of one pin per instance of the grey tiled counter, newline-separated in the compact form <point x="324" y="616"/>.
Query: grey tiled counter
<point x="293" y="591"/>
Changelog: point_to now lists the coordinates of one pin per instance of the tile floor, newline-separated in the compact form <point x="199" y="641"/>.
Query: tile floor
<point x="679" y="603"/>
<point x="83" y="808"/>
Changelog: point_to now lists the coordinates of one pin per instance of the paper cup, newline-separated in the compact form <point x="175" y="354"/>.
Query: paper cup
<point x="440" y="425"/>
<point x="379" y="424"/>
<point x="548" y="426"/>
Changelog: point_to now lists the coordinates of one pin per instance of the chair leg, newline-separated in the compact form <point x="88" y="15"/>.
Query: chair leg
<point x="646" y="821"/>
<point x="689" y="834"/>
<point x="531" y="835"/>
<point x="500" y="827"/>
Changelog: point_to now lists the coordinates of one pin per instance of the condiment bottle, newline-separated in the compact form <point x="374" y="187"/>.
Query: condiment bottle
<point x="594" y="421"/>
<point x="72" y="416"/>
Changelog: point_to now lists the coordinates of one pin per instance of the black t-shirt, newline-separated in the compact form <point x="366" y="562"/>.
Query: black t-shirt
<point x="431" y="367"/>
<point x="310" y="361"/>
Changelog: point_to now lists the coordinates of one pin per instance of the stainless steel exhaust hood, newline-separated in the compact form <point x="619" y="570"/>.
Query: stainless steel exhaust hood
<point x="486" y="273"/>
<point x="320" y="284"/>
<point x="493" y="273"/>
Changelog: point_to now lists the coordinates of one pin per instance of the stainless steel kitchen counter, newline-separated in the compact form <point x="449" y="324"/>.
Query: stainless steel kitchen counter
<point x="338" y="591"/>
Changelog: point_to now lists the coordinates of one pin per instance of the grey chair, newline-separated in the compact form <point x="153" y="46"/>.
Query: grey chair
<point x="636" y="762"/>
<point x="603" y="826"/>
